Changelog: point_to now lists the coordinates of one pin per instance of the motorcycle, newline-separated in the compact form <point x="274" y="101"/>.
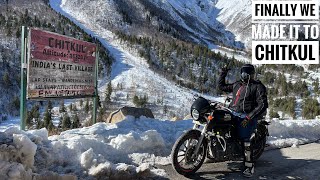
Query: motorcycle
<point x="214" y="136"/>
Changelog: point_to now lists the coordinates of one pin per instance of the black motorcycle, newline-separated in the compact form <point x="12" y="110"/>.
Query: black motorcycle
<point x="214" y="136"/>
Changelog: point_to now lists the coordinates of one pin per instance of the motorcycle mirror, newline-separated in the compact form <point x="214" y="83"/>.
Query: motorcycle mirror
<point x="195" y="96"/>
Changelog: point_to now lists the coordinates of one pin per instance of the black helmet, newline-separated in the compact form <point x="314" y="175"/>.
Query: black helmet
<point x="247" y="71"/>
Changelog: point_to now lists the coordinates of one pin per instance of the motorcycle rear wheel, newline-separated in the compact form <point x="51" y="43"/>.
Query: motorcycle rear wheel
<point x="258" y="147"/>
<point x="182" y="151"/>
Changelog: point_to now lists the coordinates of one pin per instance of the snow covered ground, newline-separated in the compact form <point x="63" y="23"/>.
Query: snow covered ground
<point x="130" y="148"/>
<point x="11" y="122"/>
<point x="239" y="55"/>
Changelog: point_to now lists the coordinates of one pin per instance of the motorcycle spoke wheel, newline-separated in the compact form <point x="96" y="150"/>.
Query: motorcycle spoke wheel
<point x="183" y="159"/>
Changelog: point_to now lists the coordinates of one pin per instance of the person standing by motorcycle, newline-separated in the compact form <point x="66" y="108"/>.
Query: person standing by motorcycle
<point x="249" y="97"/>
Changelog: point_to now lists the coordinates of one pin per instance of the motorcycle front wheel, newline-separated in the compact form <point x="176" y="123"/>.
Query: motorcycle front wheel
<point x="182" y="155"/>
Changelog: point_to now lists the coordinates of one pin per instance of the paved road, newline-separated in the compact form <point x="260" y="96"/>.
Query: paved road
<point x="287" y="163"/>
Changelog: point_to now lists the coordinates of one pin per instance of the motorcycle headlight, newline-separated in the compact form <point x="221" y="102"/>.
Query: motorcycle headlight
<point x="195" y="114"/>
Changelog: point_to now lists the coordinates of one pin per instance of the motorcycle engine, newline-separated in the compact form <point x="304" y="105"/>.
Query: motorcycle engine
<point x="225" y="147"/>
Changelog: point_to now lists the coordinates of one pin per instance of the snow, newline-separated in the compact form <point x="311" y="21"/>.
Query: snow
<point x="131" y="148"/>
<point x="17" y="154"/>
<point x="206" y="15"/>
<point x="11" y="122"/>
<point x="27" y="149"/>
<point x="284" y="133"/>
<point x="131" y="71"/>
<point x="239" y="55"/>
<point x="126" y="147"/>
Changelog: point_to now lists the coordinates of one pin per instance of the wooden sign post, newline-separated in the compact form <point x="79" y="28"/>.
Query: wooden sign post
<point x="58" y="67"/>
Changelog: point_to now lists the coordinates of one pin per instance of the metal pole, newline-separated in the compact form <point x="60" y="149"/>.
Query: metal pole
<point x="23" y="85"/>
<point x="95" y="98"/>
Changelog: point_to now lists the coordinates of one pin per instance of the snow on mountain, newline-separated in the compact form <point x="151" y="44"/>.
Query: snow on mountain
<point x="195" y="19"/>
<point x="236" y="16"/>
<point x="131" y="148"/>
<point x="132" y="72"/>
<point x="202" y="13"/>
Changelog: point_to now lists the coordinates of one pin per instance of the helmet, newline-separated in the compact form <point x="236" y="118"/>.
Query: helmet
<point x="247" y="71"/>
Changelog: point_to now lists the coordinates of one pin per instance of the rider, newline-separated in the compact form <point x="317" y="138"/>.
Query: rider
<point x="249" y="97"/>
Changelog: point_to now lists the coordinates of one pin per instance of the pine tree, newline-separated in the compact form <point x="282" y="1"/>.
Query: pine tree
<point x="18" y="33"/>
<point x="50" y="105"/>
<point x="86" y="107"/>
<point x="62" y="107"/>
<point x="98" y="101"/>
<point x="15" y="102"/>
<point x="33" y="114"/>
<point x="70" y="107"/>
<point x="6" y="79"/>
<point x="108" y="93"/>
<point x="9" y="32"/>
<point x="47" y="119"/>
<point x="136" y="100"/>
<point x="310" y="108"/>
<point x="101" y="113"/>
<point x="66" y="122"/>
<point x="75" y="121"/>
<point x="144" y="100"/>
<point x="29" y="119"/>
<point x="81" y="103"/>
<point x="165" y="109"/>
<point x="316" y="86"/>
<point x="60" y="122"/>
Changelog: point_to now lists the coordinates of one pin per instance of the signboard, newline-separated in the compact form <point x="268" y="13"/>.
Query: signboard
<point x="60" y="66"/>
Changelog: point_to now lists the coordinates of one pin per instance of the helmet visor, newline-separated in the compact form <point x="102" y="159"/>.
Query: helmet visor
<point x="248" y="70"/>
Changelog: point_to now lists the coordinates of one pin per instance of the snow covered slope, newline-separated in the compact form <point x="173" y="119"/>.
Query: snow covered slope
<point x="132" y="72"/>
<point x="236" y="16"/>
<point x="195" y="20"/>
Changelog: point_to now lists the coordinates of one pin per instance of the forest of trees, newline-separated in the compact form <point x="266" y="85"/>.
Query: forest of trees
<point x="196" y="67"/>
<point x="190" y="65"/>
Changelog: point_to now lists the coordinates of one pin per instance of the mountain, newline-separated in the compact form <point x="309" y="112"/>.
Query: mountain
<point x="236" y="17"/>
<point x="194" y="20"/>
<point x="164" y="51"/>
<point x="160" y="31"/>
<point x="131" y="75"/>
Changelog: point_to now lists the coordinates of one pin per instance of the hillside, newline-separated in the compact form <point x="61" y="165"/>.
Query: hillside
<point x="291" y="88"/>
<point x="150" y="51"/>
<point x="188" y="20"/>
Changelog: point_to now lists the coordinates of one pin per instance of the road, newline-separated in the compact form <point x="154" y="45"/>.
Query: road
<point x="302" y="162"/>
